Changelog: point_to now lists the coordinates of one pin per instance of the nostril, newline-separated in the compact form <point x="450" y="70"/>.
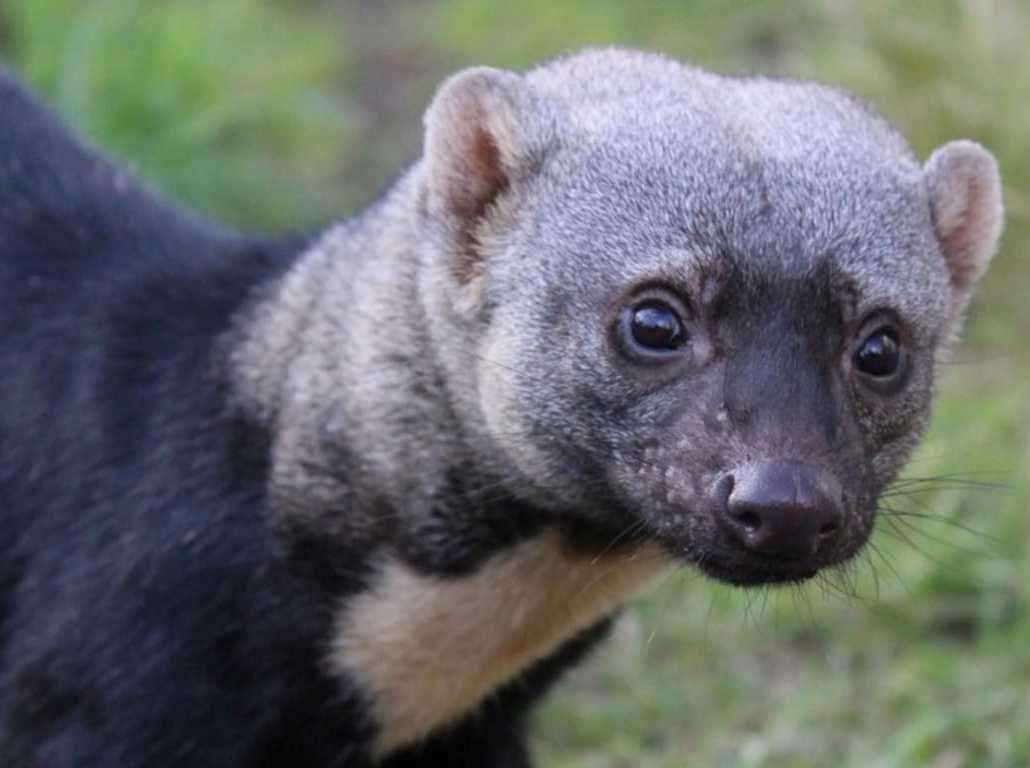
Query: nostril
<point x="827" y="531"/>
<point x="829" y="528"/>
<point x="748" y="519"/>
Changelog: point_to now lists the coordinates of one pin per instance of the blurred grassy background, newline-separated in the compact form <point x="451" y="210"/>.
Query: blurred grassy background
<point x="273" y="113"/>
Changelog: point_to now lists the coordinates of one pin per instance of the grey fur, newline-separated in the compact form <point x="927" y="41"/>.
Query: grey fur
<point x="464" y="321"/>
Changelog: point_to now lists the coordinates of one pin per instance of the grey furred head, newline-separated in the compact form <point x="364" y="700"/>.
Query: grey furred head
<point x="719" y="300"/>
<point x="634" y="293"/>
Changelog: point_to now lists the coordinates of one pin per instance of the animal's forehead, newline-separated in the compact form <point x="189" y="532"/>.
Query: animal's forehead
<point x="663" y="165"/>
<point x="598" y="92"/>
<point x="639" y="203"/>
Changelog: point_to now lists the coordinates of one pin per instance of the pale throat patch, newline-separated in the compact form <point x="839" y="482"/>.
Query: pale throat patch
<point x="428" y="650"/>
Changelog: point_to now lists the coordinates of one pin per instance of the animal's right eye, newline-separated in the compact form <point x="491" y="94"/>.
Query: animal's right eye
<point x="655" y="326"/>
<point x="652" y="329"/>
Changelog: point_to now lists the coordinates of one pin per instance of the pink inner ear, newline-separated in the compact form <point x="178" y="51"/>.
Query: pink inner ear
<point x="962" y="229"/>
<point x="489" y="177"/>
<point x="480" y="180"/>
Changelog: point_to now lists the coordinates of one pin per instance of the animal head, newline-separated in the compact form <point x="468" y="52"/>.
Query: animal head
<point x="703" y="308"/>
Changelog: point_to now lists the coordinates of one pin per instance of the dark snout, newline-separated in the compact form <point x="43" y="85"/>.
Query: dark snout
<point x="780" y="509"/>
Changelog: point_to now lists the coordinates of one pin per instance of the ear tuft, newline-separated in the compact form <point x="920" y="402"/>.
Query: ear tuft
<point x="966" y="203"/>
<point x="481" y="136"/>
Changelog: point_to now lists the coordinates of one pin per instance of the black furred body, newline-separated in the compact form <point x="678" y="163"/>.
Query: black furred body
<point x="151" y="613"/>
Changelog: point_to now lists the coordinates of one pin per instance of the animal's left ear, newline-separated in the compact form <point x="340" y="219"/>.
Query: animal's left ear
<point x="966" y="204"/>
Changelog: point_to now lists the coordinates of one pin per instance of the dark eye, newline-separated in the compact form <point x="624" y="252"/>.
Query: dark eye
<point x="879" y="355"/>
<point x="654" y="326"/>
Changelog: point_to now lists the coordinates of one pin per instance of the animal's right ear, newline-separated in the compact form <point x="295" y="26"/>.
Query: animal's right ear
<point x="485" y="130"/>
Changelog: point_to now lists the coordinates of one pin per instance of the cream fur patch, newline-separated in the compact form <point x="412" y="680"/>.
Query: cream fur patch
<point x="428" y="649"/>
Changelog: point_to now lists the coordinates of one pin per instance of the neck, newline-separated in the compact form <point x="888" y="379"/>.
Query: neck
<point x="337" y="361"/>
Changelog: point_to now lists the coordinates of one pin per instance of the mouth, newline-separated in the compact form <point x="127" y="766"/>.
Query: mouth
<point x="756" y="571"/>
<point x="719" y="558"/>
<point x="720" y="561"/>
<point x="695" y="540"/>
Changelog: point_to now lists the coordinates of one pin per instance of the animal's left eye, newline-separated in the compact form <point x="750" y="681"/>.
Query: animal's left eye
<point x="879" y="354"/>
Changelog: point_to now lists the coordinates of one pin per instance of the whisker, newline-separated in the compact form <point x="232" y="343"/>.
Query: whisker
<point x="896" y="533"/>
<point x="958" y="480"/>
<point x="983" y="535"/>
<point x="868" y="557"/>
<point x="903" y="517"/>
<point x="802" y="605"/>
<point x="629" y="530"/>
<point x="890" y="565"/>
<point x="831" y="589"/>
<point x="667" y="599"/>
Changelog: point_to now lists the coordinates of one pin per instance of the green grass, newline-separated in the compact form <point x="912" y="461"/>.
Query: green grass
<point x="225" y="104"/>
<point x="271" y="113"/>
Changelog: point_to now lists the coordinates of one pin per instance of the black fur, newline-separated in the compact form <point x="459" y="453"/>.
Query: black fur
<point x="150" y="613"/>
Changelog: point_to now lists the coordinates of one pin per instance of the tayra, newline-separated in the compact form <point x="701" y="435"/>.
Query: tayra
<point x="360" y="499"/>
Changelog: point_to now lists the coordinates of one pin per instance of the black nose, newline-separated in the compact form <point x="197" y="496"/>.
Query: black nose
<point x="780" y="508"/>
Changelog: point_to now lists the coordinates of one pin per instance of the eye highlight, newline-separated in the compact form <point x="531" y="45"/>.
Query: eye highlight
<point x="879" y="355"/>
